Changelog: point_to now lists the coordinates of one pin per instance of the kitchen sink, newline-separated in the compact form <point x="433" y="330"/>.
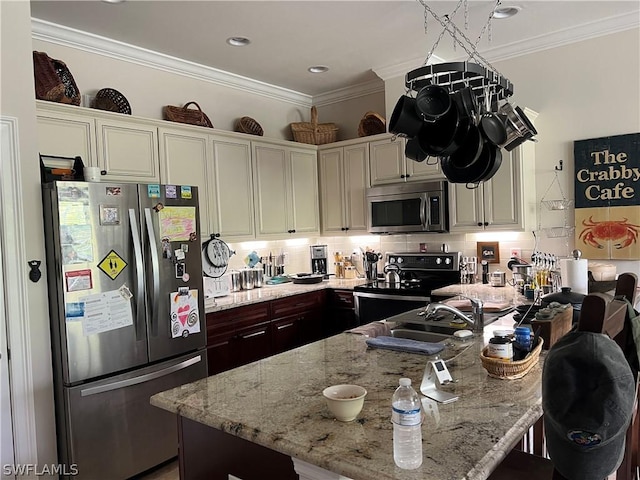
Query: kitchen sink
<point x="419" y="335"/>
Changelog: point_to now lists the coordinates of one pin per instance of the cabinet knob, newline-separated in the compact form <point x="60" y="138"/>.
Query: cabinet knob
<point x="486" y="224"/>
<point x="402" y="176"/>
<point x="346" y="228"/>
<point x="479" y="224"/>
<point x="407" y="176"/>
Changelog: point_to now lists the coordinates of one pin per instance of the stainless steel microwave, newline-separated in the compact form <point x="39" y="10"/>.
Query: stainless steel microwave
<point x="408" y="207"/>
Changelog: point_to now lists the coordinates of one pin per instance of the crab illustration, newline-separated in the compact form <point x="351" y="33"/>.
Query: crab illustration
<point x="625" y="233"/>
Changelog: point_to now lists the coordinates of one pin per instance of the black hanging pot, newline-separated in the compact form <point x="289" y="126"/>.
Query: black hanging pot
<point x="564" y="296"/>
<point x="215" y="257"/>
<point x="469" y="151"/>
<point x="404" y="119"/>
<point x="413" y="151"/>
<point x="448" y="133"/>
<point x="432" y="102"/>
<point x="493" y="128"/>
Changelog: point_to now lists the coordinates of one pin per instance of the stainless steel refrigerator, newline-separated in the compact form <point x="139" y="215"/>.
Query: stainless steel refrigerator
<point x="124" y="269"/>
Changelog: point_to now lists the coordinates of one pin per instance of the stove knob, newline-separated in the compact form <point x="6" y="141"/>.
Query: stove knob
<point x="447" y="260"/>
<point x="400" y="260"/>
<point x="438" y="261"/>
<point x="392" y="260"/>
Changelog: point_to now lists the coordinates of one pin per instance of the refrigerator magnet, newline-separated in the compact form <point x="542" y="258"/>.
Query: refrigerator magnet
<point x="158" y="206"/>
<point x="185" y="192"/>
<point x="153" y="191"/>
<point x="179" y="253"/>
<point x="170" y="191"/>
<point x="109" y="215"/>
<point x="78" y="280"/>
<point x="184" y="247"/>
<point x="180" y="270"/>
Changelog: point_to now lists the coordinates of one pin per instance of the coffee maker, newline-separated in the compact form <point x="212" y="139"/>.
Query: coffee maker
<point x="319" y="259"/>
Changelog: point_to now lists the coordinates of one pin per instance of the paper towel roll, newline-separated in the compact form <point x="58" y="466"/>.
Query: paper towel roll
<point x="574" y="274"/>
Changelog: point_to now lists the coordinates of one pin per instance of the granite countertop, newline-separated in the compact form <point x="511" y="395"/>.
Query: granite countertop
<point x="484" y="292"/>
<point x="277" y="403"/>
<point x="271" y="292"/>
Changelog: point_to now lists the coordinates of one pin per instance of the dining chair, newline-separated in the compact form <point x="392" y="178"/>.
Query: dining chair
<point x="600" y="314"/>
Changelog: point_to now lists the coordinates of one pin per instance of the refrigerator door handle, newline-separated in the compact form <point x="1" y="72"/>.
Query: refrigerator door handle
<point x="137" y="251"/>
<point x="155" y="271"/>
<point x="140" y="379"/>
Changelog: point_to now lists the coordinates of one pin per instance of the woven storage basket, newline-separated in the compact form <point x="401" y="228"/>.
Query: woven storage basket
<point x="313" y="132"/>
<point x="187" y="115"/>
<point x="112" y="101"/>
<point x="510" y="370"/>
<point x="249" y="125"/>
<point x="371" y="124"/>
<point x="53" y="80"/>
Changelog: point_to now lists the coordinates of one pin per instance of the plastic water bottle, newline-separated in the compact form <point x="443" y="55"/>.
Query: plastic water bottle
<point x="406" y="415"/>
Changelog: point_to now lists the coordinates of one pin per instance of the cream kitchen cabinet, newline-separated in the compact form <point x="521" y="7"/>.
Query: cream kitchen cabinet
<point x="125" y="147"/>
<point x="285" y="190"/>
<point x="344" y="173"/>
<point x="67" y="135"/>
<point x="505" y="202"/>
<point x="220" y="166"/>
<point x="232" y="188"/>
<point x="185" y="160"/>
<point x="388" y="163"/>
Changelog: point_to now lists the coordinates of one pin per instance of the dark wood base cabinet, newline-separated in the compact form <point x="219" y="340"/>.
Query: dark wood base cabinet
<point x="209" y="454"/>
<point x="340" y="315"/>
<point x="245" y="334"/>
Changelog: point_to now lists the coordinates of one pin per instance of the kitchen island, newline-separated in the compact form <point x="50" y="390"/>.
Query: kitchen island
<point x="277" y="403"/>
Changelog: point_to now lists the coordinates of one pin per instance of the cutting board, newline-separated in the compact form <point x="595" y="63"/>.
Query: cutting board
<point x="489" y="306"/>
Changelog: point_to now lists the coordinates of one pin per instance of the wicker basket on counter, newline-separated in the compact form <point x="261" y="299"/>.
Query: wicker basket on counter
<point x="184" y="114"/>
<point x="313" y="132"/>
<point x="511" y="369"/>
<point x="372" y="124"/>
<point x="111" y="100"/>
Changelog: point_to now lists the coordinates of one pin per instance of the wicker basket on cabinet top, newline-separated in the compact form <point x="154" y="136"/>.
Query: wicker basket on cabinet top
<point x="313" y="132"/>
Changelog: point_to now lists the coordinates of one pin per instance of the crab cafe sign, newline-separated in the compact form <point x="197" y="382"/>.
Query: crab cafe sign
<point x="607" y="192"/>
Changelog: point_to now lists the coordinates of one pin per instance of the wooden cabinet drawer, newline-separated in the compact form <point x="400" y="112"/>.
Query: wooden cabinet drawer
<point x="234" y="318"/>
<point x="341" y="299"/>
<point x="296" y="304"/>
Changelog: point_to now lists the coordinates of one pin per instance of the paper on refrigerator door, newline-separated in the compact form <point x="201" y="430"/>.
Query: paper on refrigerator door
<point x="185" y="318"/>
<point x="105" y="311"/>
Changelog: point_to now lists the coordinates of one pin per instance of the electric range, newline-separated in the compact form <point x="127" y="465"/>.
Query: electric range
<point x="420" y="273"/>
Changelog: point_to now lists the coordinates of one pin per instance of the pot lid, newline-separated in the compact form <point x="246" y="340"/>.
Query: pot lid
<point x="565" y="296"/>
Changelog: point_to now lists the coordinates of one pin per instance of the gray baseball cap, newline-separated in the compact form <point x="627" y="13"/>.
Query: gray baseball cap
<point x="588" y="392"/>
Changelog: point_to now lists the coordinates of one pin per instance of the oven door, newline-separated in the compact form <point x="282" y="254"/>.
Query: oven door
<point x="370" y="307"/>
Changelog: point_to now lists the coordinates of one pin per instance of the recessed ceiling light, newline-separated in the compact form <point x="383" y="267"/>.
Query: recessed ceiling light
<point x="506" y="11"/>
<point x="318" y="69"/>
<point x="238" y="41"/>
<point x="114" y="1"/>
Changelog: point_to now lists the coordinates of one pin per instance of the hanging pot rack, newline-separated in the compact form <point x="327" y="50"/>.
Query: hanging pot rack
<point x="477" y="73"/>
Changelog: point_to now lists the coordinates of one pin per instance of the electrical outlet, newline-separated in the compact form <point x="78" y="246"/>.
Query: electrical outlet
<point x="516" y="252"/>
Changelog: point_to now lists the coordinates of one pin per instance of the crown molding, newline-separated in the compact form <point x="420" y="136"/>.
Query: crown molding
<point x="348" y="93"/>
<point x="95" y="44"/>
<point x="556" y="39"/>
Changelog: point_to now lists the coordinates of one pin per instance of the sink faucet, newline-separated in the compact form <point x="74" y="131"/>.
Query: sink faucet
<point x="476" y="322"/>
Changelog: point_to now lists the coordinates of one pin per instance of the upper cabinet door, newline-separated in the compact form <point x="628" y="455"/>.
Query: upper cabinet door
<point x="427" y="170"/>
<point x="303" y="198"/>
<point x="128" y="151"/>
<point x="67" y="135"/>
<point x="270" y="189"/>
<point x="332" y="190"/>
<point x="387" y="161"/>
<point x="232" y="189"/>
<point x="502" y="196"/>
<point x="356" y="181"/>
<point x="184" y="159"/>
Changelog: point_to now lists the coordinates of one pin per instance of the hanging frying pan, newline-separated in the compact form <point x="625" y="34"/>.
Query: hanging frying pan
<point x="470" y="150"/>
<point x="482" y="169"/>
<point x="215" y="257"/>
<point x="413" y="151"/>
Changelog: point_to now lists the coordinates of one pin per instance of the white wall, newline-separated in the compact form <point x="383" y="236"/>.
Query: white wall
<point x="16" y="100"/>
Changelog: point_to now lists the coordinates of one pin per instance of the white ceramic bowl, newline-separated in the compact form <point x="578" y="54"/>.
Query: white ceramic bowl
<point x="345" y="401"/>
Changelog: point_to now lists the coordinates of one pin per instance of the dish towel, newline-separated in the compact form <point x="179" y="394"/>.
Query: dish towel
<point x="405" y="345"/>
<point x="374" y="329"/>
